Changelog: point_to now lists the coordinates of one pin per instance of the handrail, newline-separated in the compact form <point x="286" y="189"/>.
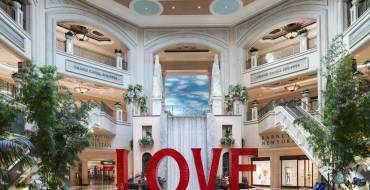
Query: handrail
<point x="91" y="55"/>
<point x="284" y="52"/>
<point x="7" y="88"/>
<point x="8" y="9"/>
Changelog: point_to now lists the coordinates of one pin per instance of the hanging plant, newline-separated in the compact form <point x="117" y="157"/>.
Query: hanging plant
<point x="135" y="95"/>
<point x="146" y="141"/>
<point x="236" y="93"/>
<point x="227" y="140"/>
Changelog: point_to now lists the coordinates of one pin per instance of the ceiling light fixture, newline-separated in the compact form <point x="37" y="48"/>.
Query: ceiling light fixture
<point x="80" y="89"/>
<point x="292" y="88"/>
<point x="80" y="32"/>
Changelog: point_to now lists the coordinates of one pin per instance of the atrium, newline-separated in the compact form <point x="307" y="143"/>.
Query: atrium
<point x="91" y="90"/>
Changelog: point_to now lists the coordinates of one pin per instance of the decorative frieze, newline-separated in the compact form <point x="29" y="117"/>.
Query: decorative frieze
<point x="11" y="34"/>
<point x="281" y="70"/>
<point x="93" y="72"/>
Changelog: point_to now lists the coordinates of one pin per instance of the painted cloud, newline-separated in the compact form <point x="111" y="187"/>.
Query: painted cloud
<point x="186" y="94"/>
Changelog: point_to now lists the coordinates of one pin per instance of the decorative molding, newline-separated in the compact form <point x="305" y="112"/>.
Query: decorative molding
<point x="281" y="13"/>
<point x="83" y="8"/>
<point x="281" y="70"/>
<point x="221" y="34"/>
<point x="11" y="34"/>
<point x="360" y="33"/>
<point x="93" y="72"/>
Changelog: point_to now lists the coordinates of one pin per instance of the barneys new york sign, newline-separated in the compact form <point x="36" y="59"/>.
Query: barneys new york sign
<point x="235" y="167"/>
<point x="93" y="72"/>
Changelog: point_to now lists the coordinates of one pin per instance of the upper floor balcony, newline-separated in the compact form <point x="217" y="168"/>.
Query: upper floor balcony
<point x="285" y="51"/>
<point x="15" y="26"/>
<point x="85" y="52"/>
<point x="358" y="32"/>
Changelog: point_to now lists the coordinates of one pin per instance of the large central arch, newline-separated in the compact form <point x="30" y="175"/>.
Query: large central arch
<point x="176" y="38"/>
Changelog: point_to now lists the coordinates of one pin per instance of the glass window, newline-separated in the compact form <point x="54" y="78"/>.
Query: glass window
<point x="225" y="164"/>
<point x="262" y="174"/>
<point x="289" y="172"/>
<point x="297" y="171"/>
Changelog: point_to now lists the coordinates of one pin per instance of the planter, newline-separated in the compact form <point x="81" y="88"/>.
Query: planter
<point x="227" y="141"/>
<point x="146" y="141"/>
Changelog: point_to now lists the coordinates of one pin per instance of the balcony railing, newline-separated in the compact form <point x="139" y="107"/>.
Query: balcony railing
<point x="91" y="55"/>
<point x="362" y="7"/>
<point x="7" y="88"/>
<point x="8" y="8"/>
<point x="281" y="53"/>
<point x="312" y="106"/>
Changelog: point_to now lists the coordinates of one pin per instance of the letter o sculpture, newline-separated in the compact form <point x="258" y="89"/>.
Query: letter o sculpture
<point x="151" y="171"/>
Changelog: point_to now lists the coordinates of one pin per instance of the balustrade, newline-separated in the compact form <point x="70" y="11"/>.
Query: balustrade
<point x="15" y="10"/>
<point x="91" y="55"/>
<point x="281" y="53"/>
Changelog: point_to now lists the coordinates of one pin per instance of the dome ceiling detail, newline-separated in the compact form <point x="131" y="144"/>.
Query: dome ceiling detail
<point x="148" y="13"/>
<point x="184" y="7"/>
<point x="146" y="7"/>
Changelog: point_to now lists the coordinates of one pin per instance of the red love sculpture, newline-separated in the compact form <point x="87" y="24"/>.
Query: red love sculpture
<point x="151" y="172"/>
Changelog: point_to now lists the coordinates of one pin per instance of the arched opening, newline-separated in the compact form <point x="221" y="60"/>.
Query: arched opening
<point x="272" y="57"/>
<point x="145" y="159"/>
<point x="282" y="41"/>
<point x="87" y="42"/>
<point x="225" y="164"/>
<point x="186" y="70"/>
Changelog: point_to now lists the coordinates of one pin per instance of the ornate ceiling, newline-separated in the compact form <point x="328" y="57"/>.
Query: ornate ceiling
<point x="148" y="13"/>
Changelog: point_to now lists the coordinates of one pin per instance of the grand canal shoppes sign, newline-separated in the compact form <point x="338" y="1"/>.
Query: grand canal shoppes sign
<point x="235" y="167"/>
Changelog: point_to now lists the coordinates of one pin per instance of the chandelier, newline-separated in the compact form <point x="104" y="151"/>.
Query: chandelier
<point x="292" y="30"/>
<point x="292" y="88"/>
<point x="80" y="32"/>
<point x="80" y="89"/>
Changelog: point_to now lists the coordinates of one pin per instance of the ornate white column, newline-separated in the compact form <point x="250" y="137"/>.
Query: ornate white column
<point x="216" y="91"/>
<point x="254" y="56"/>
<point x="118" y="58"/>
<point x="303" y="41"/>
<point x="305" y="100"/>
<point x="354" y="11"/>
<point x="157" y="88"/>
<point x="255" y="110"/>
<point x="69" y="43"/>
<point x="18" y="13"/>
<point x="118" y="110"/>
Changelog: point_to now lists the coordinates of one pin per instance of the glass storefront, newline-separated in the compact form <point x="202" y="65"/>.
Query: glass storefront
<point x="261" y="177"/>
<point x="296" y="171"/>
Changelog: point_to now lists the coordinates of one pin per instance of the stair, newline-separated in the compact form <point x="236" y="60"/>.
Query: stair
<point x="285" y="115"/>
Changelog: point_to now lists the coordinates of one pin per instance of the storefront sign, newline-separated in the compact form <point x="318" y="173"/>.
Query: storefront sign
<point x="93" y="72"/>
<point x="276" y="140"/>
<point x="280" y="70"/>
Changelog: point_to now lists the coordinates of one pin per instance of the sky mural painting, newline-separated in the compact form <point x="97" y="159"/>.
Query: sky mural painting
<point x="186" y="94"/>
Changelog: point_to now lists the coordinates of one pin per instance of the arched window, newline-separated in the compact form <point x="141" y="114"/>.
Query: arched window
<point x="146" y="157"/>
<point x="225" y="164"/>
